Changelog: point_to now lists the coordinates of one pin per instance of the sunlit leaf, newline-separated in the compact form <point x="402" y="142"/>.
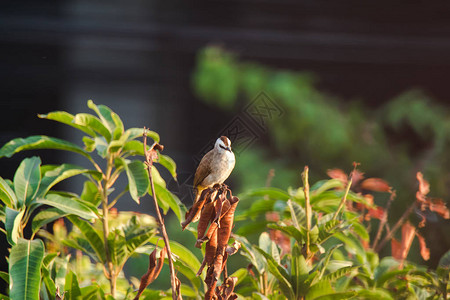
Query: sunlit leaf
<point x="7" y="195"/>
<point x="138" y="180"/>
<point x="71" y="287"/>
<point x="25" y="263"/>
<point x="91" y="235"/>
<point x="27" y="179"/>
<point x="12" y="224"/>
<point x="68" y="119"/>
<point x="68" y="205"/>
<point x="39" y="142"/>
<point x="46" y="216"/>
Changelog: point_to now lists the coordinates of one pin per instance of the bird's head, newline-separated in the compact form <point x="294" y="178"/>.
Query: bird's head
<point x="223" y="144"/>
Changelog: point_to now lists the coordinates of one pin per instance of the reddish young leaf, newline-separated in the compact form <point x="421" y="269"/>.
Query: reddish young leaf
<point x="424" y="251"/>
<point x="377" y="213"/>
<point x="396" y="249"/>
<point x="376" y="185"/>
<point x="424" y="186"/>
<point x="338" y="174"/>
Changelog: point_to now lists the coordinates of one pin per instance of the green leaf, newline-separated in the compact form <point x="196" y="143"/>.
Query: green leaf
<point x="91" y="235"/>
<point x="360" y="230"/>
<point x="91" y="193"/>
<point x="104" y="113"/>
<point x="68" y="119"/>
<point x="375" y="294"/>
<point x="48" y="281"/>
<point x="290" y="230"/>
<point x="325" y="185"/>
<point x="272" y="193"/>
<point x="4" y="276"/>
<point x="27" y="179"/>
<point x="444" y="262"/>
<point x="39" y="142"/>
<point x="319" y="289"/>
<point x="68" y="205"/>
<point x="71" y="287"/>
<point x="337" y="296"/>
<point x="298" y="213"/>
<point x="280" y="274"/>
<point x="169" y="199"/>
<point x="12" y="225"/>
<point x="138" y="132"/>
<point x="138" y="180"/>
<point x="93" y="123"/>
<point x="7" y="195"/>
<point x="53" y="174"/>
<point x="169" y="164"/>
<point x="183" y="253"/>
<point x="25" y="263"/>
<point x="339" y="273"/>
<point x="46" y="216"/>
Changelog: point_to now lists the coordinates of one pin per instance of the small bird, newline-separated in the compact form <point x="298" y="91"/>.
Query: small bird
<point x="215" y="166"/>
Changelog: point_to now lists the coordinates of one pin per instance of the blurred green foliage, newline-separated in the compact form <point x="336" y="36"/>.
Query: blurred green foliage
<point x="393" y="140"/>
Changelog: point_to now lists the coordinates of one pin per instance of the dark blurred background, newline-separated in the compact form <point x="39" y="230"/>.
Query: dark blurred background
<point x="139" y="57"/>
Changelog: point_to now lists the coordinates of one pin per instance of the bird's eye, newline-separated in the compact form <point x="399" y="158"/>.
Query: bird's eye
<point x="222" y="147"/>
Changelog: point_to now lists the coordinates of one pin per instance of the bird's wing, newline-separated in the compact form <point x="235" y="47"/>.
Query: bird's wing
<point x="203" y="169"/>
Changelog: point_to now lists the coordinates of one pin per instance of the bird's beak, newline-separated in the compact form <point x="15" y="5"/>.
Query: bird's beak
<point x="229" y="149"/>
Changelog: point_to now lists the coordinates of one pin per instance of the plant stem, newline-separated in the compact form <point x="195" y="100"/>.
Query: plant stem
<point x="344" y="199"/>
<point x="383" y="221"/>
<point x="149" y="161"/>
<point x="396" y="227"/>
<point x="111" y="272"/>
<point x="307" y="208"/>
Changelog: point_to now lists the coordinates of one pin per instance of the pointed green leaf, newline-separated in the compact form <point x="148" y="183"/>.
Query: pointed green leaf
<point x="170" y="199"/>
<point x="138" y="180"/>
<point x="169" y="164"/>
<point x="339" y="273"/>
<point x="39" y="142"/>
<point x="93" y="123"/>
<point x="138" y="132"/>
<point x="104" y="113"/>
<point x="319" y="289"/>
<point x="53" y="174"/>
<point x="375" y="294"/>
<point x="91" y="235"/>
<point x="7" y="195"/>
<point x="91" y="193"/>
<point x="71" y="287"/>
<point x="4" y="276"/>
<point x="12" y="225"/>
<point x="444" y="262"/>
<point x="273" y="193"/>
<point x="25" y="263"/>
<point x="48" y="281"/>
<point x="68" y="205"/>
<point x="68" y="119"/>
<point x="27" y="179"/>
<point x="298" y="213"/>
<point x="46" y="216"/>
<point x="298" y="235"/>
<point x="280" y="274"/>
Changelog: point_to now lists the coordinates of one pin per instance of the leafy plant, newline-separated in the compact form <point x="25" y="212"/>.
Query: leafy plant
<point x="89" y="212"/>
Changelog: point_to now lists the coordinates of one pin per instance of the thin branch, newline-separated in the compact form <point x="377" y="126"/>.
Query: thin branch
<point x="344" y="199"/>
<point x="397" y="225"/>
<point x="111" y="205"/>
<point x="149" y="163"/>
<point x="383" y="221"/>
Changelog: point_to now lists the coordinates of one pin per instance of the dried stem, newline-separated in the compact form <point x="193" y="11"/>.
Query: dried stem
<point x="344" y="199"/>
<point x="397" y="225"/>
<point x="383" y="221"/>
<point x="307" y="208"/>
<point x="149" y="162"/>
